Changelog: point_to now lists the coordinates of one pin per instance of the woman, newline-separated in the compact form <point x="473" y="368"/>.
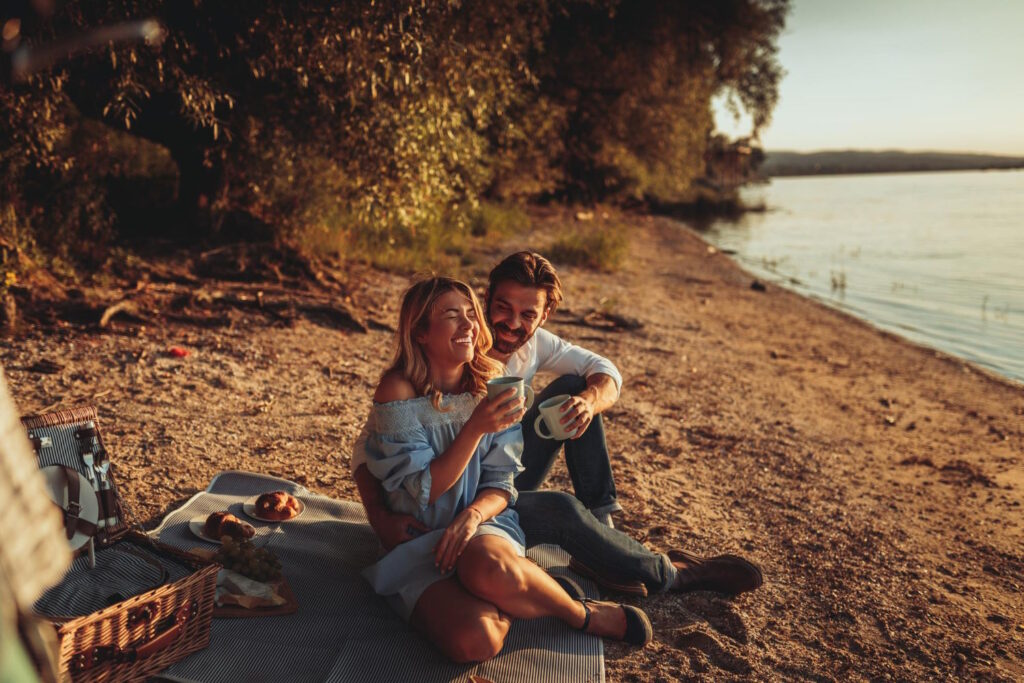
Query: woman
<point x="448" y="457"/>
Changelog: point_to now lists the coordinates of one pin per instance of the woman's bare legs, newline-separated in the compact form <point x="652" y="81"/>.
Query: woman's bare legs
<point x="461" y="625"/>
<point x="490" y="569"/>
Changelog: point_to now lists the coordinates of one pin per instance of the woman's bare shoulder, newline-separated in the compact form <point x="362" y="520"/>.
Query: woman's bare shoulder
<point x="394" y="387"/>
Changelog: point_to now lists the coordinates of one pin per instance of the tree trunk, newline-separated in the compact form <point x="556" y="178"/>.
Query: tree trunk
<point x="202" y="177"/>
<point x="8" y="313"/>
<point x="202" y="188"/>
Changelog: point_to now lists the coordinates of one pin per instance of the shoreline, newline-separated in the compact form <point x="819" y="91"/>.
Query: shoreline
<point x="891" y="253"/>
<point x="879" y="486"/>
<point x="790" y="284"/>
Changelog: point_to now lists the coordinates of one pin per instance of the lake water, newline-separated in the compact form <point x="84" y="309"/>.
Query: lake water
<point x="935" y="257"/>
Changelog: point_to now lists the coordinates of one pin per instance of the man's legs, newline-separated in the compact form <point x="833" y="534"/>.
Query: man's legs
<point x="586" y="458"/>
<point x="558" y="518"/>
<point x="615" y="558"/>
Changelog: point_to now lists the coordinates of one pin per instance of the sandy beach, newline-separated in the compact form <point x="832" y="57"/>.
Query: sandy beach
<point x="878" y="483"/>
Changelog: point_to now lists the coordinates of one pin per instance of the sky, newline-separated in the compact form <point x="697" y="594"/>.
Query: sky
<point x="899" y="74"/>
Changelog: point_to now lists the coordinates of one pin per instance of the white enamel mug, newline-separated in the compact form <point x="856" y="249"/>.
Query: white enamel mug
<point x="499" y="385"/>
<point x="551" y="417"/>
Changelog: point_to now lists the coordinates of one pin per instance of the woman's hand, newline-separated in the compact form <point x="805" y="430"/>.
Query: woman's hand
<point x="455" y="537"/>
<point x="498" y="413"/>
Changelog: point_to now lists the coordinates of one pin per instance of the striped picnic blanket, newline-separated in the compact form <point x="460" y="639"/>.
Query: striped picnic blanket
<point x="343" y="631"/>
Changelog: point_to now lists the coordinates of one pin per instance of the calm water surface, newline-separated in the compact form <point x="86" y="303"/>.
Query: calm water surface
<point x="935" y="257"/>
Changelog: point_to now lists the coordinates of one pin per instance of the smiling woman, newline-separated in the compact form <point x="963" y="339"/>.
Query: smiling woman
<point x="430" y="309"/>
<point x="446" y="457"/>
<point x="453" y="328"/>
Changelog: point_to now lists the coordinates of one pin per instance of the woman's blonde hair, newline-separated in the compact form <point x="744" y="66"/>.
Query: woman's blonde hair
<point x="414" y="318"/>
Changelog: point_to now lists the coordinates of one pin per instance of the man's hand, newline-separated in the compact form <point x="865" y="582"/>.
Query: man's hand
<point x="456" y="537"/>
<point x="394" y="529"/>
<point x="577" y="414"/>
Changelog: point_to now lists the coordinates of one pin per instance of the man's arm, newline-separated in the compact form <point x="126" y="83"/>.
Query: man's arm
<point x="557" y="356"/>
<point x="602" y="392"/>
<point x="392" y="528"/>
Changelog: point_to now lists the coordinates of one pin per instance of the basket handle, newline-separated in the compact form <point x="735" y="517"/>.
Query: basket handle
<point x="167" y="638"/>
<point x="104" y="654"/>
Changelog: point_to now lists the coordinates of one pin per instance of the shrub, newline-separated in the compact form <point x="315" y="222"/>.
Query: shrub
<point x="599" y="249"/>
<point x="498" y="220"/>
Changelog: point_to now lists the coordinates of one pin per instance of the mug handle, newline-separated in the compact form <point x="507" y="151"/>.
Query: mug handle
<point x="528" y="390"/>
<point x="536" y="427"/>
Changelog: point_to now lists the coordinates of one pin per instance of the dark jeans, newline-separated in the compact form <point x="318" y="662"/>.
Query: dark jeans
<point x="558" y="518"/>
<point x="586" y="457"/>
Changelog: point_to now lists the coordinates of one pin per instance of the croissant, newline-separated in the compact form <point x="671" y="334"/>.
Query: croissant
<point x="221" y="524"/>
<point x="277" y="505"/>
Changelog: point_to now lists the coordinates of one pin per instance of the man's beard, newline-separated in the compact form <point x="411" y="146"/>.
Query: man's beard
<point x="502" y="346"/>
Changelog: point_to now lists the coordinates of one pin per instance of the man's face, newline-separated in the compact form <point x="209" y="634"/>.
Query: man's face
<point x="515" y="313"/>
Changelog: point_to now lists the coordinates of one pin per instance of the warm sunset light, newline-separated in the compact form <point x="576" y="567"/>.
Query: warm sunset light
<point x="448" y="341"/>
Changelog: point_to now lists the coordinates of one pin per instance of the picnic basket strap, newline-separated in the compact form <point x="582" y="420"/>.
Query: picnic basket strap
<point x="72" y="522"/>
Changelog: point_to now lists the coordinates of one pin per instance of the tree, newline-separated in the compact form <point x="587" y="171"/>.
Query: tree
<point x="385" y="118"/>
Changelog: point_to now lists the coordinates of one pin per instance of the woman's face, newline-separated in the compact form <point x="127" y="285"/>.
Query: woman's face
<point x="451" y="335"/>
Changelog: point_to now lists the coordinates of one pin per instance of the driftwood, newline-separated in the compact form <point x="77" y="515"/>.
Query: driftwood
<point x="601" y="320"/>
<point x="278" y="281"/>
<point x="45" y="367"/>
<point x="125" y="307"/>
<point x="245" y="262"/>
<point x="339" y="313"/>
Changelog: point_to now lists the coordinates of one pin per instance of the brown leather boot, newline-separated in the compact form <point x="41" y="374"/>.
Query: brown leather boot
<point x="727" y="574"/>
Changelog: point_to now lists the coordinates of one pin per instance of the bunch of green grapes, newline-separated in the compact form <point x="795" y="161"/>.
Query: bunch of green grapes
<point x="243" y="557"/>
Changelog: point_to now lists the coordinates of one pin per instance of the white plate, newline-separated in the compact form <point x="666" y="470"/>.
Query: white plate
<point x="249" y="508"/>
<point x="58" y="491"/>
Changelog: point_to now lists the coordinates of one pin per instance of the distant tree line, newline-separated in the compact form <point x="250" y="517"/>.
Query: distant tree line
<point x="893" y="161"/>
<point x="378" y="122"/>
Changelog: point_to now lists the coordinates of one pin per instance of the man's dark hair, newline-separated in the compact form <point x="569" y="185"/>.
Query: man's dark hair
<point x="529" y="269"/>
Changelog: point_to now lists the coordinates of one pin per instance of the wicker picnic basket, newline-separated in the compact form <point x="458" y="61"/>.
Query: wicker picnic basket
<point x="140" y="635"/>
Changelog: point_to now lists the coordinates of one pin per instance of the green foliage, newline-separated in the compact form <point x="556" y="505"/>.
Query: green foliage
<point x="374" y="129"/>
<point x="601" y="248"/>
<point x="501" y="220"/>
<point x="636" y="80"/>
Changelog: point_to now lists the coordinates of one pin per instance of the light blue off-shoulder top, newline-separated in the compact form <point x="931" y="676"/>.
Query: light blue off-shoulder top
<point x="403" y="437"/>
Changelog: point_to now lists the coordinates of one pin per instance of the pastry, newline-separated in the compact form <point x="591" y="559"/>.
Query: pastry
<point x="277" y="505"/>
<point x="221" y="524"/>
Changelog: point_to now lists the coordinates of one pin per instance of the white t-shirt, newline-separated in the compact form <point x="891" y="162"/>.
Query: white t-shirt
<point x="544" y="352"/>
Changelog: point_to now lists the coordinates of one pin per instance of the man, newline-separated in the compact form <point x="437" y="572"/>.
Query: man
<point x="523" y="292"/>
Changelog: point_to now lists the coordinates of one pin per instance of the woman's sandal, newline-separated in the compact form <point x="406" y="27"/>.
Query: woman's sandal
<point x="638" y="627"/>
